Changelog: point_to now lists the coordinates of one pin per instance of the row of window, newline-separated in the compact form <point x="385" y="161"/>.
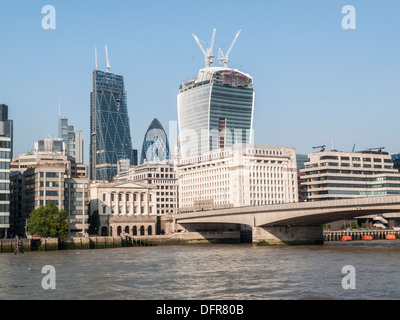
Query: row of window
<point x="127" y="196"/>
<point x="104" y="210"/>
<point x="362" y="186"/>
<point x="352" y="192"/>
<point x="395" y="178"/>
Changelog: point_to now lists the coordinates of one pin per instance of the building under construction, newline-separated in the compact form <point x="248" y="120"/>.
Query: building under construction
<point x="215" y="109"/>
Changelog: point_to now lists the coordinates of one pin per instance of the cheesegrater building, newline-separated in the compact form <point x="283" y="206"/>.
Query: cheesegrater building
<point x="215" y="109"/>
<point x="110" y="137"/>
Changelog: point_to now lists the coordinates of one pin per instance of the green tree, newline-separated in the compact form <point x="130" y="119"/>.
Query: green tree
<point x="94" y="222"/>
<point x="48" y="221"/>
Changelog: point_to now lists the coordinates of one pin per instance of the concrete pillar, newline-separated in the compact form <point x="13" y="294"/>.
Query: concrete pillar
<point x="131" y="211"/>
<point x="124" y="203"/>
<point x="289" y="235"/>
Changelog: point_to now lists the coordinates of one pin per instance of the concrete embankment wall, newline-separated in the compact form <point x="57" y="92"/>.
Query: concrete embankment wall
<point x="81" y="243"/>
<point x="358" y="234"/>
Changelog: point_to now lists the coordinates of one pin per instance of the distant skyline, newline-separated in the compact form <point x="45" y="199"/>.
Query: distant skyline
<point x="314" y="81"/>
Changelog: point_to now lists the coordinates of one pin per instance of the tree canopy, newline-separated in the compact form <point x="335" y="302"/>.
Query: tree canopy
<point x="49" y="221"/>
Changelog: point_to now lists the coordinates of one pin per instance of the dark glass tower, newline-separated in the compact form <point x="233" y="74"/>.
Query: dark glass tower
<point x="110" y="137"/>
<point x="155" y="144"/>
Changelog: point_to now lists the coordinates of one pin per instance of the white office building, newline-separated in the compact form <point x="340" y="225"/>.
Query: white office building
<point x="239" y="176"/>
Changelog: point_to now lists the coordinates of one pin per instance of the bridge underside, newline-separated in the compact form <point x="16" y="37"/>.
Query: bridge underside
<point x="289" y="223"/>
<point x="323" y="218"/>
<point x="311" y="234"/>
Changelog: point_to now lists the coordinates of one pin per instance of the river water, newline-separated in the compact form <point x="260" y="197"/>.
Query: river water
<point x="203" y="272"/>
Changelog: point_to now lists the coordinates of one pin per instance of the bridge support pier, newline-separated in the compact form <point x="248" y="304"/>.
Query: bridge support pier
<point x="288" y="235"/>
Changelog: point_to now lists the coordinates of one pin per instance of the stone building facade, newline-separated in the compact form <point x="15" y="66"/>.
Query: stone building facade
<point x="239" y="176"/>
<point x="125" y="207"/>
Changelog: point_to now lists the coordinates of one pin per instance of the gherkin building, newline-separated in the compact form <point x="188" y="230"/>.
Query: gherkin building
<point x="110" y="136"/>
<point x="155" y="144"/>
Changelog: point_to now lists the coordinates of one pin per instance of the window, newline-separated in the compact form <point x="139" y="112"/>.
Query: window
<point x="51" y="174"/>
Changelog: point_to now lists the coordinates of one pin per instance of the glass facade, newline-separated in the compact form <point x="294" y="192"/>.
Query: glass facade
<point x="396" y="161"/>
<point x="110" y="137"/>
<point x="155" y="144"/>
<point x="215" y="110"/>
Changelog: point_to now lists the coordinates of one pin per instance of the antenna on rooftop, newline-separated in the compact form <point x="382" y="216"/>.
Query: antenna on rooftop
<point x="208" y="52"/>
<point x="95" y="56"/>
<point x="108" y="60"/>
<point x="224" y="58"/>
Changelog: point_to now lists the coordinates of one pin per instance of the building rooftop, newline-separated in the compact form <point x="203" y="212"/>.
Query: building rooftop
<point x="222" y="75"/>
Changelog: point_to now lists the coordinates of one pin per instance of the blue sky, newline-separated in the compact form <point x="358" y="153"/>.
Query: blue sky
<point x="315" y="82"/>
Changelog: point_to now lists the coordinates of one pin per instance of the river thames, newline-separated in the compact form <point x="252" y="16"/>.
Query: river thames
<point x="203" y="272"/>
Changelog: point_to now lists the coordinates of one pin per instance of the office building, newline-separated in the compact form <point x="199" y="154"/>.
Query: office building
<point x="163" y="177"/>
<point x="396" y="161"/>
<point x="242" y="175"/>
<point x="48" y="175"/>
<point x="155" y="144"/>
<point x="331" y="175"/>
<point x="6" y="126"/>
<point x="6" y="152"/>
<point x="50" y="146"/>
<point x="215" y="109"/>
<point x="110" y="136"/>
<point x="300" y="159"/>
<point x="73" y="139"/>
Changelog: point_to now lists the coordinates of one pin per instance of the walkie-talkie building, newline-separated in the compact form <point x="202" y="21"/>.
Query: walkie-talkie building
<point x="215" y="109"/>
<point x="110" y="136"/>
<point x="155" y="144"/>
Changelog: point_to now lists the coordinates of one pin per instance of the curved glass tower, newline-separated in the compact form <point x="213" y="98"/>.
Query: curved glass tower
<point x="215" y="110"/>
<point x="110" y="136"/>
<point x="155" y="144"/>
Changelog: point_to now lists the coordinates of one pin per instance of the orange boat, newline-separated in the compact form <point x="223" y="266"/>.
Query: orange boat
<point x="390" y="237"/>
<point x="346" y="238"/>
<point x="367" y="237"/>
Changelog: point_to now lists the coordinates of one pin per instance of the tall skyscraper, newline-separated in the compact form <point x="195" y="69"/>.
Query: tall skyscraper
<point x="6" y="143"/>
<point x="155" y="144"/>
<point x="215" y="109"/>
<point x="110" y="136"/>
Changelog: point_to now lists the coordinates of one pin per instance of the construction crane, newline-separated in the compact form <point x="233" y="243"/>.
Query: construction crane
<point x="224" y="58"/>
<point x="208" y="55"/>
<point x="322" y="148"/>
